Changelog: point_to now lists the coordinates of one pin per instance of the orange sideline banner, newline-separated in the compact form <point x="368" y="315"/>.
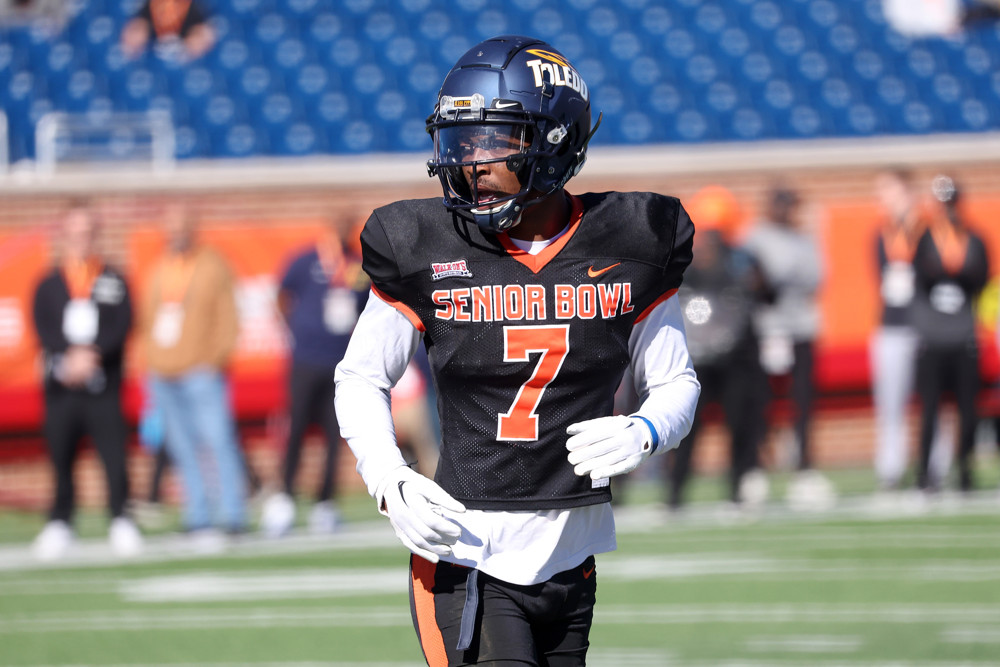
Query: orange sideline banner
<point x="258" y="252"/>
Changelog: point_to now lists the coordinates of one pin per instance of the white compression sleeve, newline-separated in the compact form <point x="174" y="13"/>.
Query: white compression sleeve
<point x="665" y="380"/>
<point x="381" y="346"/>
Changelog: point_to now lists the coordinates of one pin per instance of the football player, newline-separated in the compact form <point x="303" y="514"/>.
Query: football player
<point x="532" y="304"/>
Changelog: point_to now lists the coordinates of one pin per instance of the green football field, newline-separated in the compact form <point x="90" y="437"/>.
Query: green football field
<point x="901" y="582"/>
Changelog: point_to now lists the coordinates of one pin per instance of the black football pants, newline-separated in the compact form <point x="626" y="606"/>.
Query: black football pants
<point x="542" y="625"/>
<point x="740" y="388"/>
<point x="69" y="416"/>
<point x="801" y="388"/>
<point x="941" y="369"/>
<point x="310" y="394"/>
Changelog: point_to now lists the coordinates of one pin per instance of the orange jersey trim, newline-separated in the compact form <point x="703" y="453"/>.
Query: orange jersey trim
<point x="537" y="262"/>
<point x="422" y="580"/>
<point x="401" y="307"/>
<point x="663" y="297"/>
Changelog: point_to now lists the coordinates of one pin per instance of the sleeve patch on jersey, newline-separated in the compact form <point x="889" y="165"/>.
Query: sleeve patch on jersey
<point x="458" y="268"/>
<point x="401" y="307"/>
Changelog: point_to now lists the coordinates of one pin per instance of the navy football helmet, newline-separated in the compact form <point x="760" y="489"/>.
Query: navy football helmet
<point x="516" y="100"/>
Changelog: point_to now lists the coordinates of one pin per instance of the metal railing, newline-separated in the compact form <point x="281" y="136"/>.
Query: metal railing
<point x="110" y="139"/>
<point x="4" y="144"/>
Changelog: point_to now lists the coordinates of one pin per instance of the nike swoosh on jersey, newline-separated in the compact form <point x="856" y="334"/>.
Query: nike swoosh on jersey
<point x="593" y="273"/>
<point x="587" y="573"/>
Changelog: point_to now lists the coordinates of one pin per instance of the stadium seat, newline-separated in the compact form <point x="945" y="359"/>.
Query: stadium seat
<point x="363" y="73"/>
<point x="625" y="46"/>
<point x="358" y="136"/>
<point x="412" y="135"/>
<point x="547" y="23"/>
<point x="299" y="139"/>
<point x="979" y="116"/>
<point x="325" y="28"/>
<point x="290" y="55"/>
<point x="379" y="27"/>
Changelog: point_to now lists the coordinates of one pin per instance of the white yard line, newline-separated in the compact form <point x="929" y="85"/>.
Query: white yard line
<point x="210" y="586"/>
<point x="165" y="548"/>
<point x="806" y="644"/>
<point x="398" y="616"/>
<point x="696" y="525"/>
<point x="188" y="619"/>
<point x="896" y="614"/>
<point x="222" y="584"/>
<point x="844" y="537"/>
<point x="971" y="635"/>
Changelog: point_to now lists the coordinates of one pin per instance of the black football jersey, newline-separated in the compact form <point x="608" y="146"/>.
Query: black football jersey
<point x="520" y="345"/>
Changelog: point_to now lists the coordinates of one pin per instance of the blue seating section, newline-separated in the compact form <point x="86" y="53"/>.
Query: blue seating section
<point x="298" y="77"/>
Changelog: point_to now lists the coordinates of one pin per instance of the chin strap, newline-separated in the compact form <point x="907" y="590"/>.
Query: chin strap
<point x="499" y="221"/>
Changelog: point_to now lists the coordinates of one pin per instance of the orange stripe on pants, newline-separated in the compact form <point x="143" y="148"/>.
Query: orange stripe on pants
<point x="422" y="572"/>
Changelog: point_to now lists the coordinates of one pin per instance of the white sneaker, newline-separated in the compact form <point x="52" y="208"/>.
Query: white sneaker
<point x="53" y="542"/>
<point x="324" y="518"/>
<point x="811" y="491"/>
<point x="125" y="538"/>
<point x="208" y="541"/>
<point x="278" y="515"/>
<point x="754" y="489"/>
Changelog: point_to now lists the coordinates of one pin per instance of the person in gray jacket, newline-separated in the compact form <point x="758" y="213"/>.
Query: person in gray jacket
<point x="790" y="257"/>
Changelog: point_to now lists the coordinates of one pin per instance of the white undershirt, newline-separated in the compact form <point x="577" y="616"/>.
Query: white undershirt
<point x="535" y="247"/>
<point x="518" y="547"/>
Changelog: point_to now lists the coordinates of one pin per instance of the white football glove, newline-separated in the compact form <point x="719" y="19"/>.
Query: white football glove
<point x="608" y="446"/>
<point x="414" y="506"/>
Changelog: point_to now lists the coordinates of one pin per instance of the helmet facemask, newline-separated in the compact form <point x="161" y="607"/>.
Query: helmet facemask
<point x="466" y="140"/>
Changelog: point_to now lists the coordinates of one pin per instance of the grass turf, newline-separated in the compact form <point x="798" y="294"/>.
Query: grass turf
<point x="919" y="585"/>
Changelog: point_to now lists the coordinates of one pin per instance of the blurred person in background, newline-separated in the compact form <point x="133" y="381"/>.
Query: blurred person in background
<point x="179" y="29"/>
<point x="321" y="294"/>
<point x="894" y="345"/>
<point x="149" y="512"/>
<point x="951" y="269"/>
<point x="82" y="315"/>
<point x="790" y="257"/>
<point x="723" y="288"/>
<point x="189" y="327"/>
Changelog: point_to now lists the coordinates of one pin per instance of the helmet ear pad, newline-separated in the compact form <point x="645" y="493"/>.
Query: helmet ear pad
<point x="518" y="164"/>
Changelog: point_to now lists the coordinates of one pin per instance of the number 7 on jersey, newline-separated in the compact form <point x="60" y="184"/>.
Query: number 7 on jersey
<point x="552" y="343"/>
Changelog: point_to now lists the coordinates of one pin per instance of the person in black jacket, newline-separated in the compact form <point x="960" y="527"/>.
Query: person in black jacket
<point x="82" y="314"/>
<point x="951" y="268"/>
<point x="723" y="288"/>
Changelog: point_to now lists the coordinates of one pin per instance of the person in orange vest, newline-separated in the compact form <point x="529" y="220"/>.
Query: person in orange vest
<point x="894" y="344"/>
<point x="82" y="315"/>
